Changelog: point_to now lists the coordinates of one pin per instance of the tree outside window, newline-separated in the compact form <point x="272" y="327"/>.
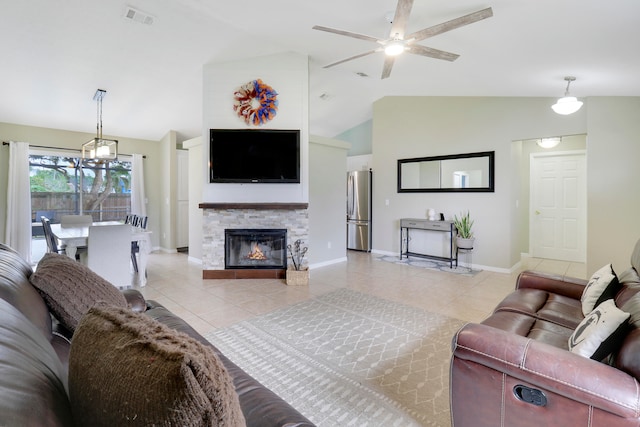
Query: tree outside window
<point x="55" y="187"/>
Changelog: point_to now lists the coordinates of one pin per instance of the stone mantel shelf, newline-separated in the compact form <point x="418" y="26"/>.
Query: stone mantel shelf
<point x="253" y="205"/>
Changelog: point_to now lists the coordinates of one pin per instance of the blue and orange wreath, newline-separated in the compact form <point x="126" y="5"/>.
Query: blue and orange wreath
<point x="255" y="102"/>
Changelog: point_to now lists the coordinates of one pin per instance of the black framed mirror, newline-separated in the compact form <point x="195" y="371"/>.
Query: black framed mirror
<point x="468" y="172"/>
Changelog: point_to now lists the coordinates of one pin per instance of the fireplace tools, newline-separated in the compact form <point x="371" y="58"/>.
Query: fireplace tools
<point x="297" y="254"/>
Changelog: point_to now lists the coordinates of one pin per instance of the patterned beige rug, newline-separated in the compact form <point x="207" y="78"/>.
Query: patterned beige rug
<point x="348" y="358"/>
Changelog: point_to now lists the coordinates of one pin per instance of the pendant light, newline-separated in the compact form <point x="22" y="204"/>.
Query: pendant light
<point x="567" y="104"/>
<point x="98" y="147"/>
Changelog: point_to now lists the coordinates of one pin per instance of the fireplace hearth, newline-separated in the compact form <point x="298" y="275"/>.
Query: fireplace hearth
<point x="255" y="249"/>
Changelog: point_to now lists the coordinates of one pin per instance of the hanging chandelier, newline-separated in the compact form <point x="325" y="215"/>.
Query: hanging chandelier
<point x="99" y="147"/>
<point x="568" y="104"/>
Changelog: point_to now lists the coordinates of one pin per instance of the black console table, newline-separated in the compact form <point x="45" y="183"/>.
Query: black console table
<point x="407" y="224"/>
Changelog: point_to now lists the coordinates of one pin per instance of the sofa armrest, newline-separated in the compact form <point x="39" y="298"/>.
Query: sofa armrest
<point x="571" y="287"/>
<point x="135" y="300"/>
<point x="549" y="368"/>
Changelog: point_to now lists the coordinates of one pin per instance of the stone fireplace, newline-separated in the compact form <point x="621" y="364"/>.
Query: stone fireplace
<point x="221" y="217"/>
<point x="255" y="248"/>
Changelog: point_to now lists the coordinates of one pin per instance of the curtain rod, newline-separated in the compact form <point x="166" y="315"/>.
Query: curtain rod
<point x="65" y="149"/>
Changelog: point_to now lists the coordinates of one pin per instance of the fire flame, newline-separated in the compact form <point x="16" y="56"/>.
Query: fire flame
<point x="256" y="253"/>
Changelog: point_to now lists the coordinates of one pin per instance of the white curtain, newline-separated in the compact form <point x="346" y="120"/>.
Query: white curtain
<point x="18" y="226"/>
<point x="138" y="198"/>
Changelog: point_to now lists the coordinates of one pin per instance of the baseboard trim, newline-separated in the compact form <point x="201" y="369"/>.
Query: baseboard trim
<point x="327" y="263"/>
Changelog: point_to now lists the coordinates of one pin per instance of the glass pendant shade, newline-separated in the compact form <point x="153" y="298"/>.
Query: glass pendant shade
<point x="567" y="105"/>
<point x="100" y="148"/>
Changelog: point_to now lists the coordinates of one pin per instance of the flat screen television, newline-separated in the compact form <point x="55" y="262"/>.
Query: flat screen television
<point x="254" y="156"/>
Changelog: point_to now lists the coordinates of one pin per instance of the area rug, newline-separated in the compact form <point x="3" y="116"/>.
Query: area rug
<point x="350" y="359"/>
<point x="430" y="264"/>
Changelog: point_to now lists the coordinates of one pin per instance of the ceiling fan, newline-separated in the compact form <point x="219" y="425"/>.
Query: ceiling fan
<point x="398" y="42"/>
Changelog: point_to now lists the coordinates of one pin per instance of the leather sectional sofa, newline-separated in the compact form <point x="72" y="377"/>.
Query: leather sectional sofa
<point x="516" y="369"/>
<point x="35" y="351"/>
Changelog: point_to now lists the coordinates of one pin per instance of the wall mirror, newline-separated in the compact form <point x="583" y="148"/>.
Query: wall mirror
<point x="469" y="172"/>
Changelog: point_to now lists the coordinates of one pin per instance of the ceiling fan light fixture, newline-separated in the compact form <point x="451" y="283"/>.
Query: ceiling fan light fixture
<point x="394" y="48"/>
<point x="567" y="104"/>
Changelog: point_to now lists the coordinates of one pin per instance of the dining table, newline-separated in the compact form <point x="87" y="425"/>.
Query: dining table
<point x="74" y="236"/>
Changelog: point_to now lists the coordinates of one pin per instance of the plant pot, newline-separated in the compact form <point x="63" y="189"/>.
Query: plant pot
<point x="298" y="277"/>
<point x="463" y="243"/>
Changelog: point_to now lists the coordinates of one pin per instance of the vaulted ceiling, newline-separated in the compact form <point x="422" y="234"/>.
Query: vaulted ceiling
<point x="56" y="53"/>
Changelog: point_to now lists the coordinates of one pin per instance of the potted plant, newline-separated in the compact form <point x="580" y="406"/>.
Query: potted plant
<point x="464" y="224"/>
<point x="299" y="274"/>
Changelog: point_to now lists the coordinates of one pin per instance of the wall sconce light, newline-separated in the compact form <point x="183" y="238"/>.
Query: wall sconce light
<point x="568" y="104"/>
<point x="549" y="142"/>
<point x="98" y="147"/>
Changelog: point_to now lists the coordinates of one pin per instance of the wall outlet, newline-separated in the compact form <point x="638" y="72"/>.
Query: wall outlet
<point x="386" y="202"/>
<point x="328" y="245"/>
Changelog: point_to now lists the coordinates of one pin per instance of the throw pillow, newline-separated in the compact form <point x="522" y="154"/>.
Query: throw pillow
<point x="126" y="368"/>
<point x="601" y="332"/>
<point x="602" y="285"/>
<point x="70" y="288"/>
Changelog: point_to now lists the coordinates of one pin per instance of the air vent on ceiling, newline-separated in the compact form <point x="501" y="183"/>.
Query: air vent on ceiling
<point x="137" y="16"/>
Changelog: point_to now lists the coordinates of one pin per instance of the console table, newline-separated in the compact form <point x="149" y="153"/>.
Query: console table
<point x="407" y="224"/>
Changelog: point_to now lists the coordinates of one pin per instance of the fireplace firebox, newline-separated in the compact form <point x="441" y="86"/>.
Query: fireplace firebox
<point x="255" y="248"/>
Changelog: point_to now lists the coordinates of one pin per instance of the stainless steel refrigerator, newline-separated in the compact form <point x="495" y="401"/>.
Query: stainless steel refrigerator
<point x="359" y="210"/>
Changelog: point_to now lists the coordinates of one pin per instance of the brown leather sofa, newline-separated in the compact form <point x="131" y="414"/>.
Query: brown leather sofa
<point x="515" y="369"/>
<point x="34" y="355"/>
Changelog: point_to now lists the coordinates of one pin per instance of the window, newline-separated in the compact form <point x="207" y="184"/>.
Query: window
<point x="56" y="180"/>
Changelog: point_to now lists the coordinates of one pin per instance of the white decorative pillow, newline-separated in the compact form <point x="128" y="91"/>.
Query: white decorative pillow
<point x="602" y="286"/>
<point x="601" y="332"/>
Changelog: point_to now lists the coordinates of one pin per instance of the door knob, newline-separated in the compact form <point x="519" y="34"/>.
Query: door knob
<point x="537" y="212"/>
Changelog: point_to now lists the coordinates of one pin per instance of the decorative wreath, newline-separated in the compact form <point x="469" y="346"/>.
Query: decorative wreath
<point x="255" y="102"/>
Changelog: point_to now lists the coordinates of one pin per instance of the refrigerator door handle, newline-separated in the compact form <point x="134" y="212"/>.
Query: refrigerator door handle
<point x="350" y="197"/>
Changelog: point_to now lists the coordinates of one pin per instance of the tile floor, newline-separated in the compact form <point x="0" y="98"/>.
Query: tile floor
<point x="210" y="304"/>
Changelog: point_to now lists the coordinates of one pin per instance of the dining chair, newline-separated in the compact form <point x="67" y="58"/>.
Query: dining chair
<point x="140" y="222"/>
<point x="108" y="253"/>
<point x="52" y="242"/>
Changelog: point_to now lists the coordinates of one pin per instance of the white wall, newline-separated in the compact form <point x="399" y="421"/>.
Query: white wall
<point x="408" y="127"/>
<point x="327" y="201"/>
<point x="287" y="74"/>
<point x="168" y="183"/>
<point x="613" y="177"/>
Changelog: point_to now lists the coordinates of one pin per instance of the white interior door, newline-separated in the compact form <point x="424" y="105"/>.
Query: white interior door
<point x="558" y="223"/>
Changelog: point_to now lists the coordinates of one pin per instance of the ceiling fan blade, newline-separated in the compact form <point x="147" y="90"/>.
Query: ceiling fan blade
<point x="352" y="57"/>
<point x="346" y="33"/>
<point x="450" y="25"/>
<point x="431" y="52"/>
<point x="403" y="10"/>
<point x="388" y="65"/>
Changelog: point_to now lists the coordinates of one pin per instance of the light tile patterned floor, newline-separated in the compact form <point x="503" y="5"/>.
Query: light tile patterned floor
<point x="211" y="304"/>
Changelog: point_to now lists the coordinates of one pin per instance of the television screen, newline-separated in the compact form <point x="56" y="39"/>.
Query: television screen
<point x="254" y="156"/>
